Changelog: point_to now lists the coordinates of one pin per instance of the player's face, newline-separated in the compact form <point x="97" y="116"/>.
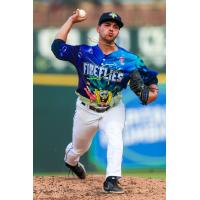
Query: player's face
<point x="108" y="31"/>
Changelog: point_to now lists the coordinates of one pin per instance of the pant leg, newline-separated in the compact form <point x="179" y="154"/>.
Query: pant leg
<point x="112" y="124"/>
<point x="85" y="125"/>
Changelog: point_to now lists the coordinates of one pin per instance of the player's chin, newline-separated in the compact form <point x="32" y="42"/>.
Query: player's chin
<point x="110" y="39"/>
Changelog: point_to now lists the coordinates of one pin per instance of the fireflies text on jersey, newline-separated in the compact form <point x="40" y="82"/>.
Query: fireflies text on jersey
<point x="102" y="72"/>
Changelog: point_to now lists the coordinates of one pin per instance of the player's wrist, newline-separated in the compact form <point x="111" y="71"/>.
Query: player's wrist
<point x="71" y="20"/>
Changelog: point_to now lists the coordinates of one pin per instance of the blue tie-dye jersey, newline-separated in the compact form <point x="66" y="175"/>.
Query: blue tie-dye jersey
<point x="101" y="77"/>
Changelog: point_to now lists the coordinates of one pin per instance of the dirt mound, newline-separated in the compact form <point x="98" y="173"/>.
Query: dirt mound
<point x="72" y="188"/>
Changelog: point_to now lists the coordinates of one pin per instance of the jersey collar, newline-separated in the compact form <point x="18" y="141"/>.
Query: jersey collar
<point x="100" y="52"/>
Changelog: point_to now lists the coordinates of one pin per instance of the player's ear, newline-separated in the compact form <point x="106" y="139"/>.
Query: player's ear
<point x="97" y="28"/>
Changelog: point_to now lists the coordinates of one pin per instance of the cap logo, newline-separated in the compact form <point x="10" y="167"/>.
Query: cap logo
<point x="113" y="15"/>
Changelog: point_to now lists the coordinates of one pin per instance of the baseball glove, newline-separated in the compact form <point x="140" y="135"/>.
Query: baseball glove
<point x="144" y="86"/>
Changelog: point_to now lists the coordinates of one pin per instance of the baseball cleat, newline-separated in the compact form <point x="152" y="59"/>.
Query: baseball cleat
<point x="78" y="169"/>
<point x="111" y="185"/>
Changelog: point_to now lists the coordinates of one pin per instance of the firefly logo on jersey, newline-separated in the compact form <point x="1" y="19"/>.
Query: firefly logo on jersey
<point x="102" y="72"/>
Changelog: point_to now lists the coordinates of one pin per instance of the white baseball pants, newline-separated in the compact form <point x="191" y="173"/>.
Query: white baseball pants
<point x="85" y="125"/>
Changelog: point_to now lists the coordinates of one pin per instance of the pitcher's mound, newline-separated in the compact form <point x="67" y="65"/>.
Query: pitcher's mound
<point x="72" y="188"/>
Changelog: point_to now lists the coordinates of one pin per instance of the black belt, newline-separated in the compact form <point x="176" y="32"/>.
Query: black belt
<point x="99" y="110"/>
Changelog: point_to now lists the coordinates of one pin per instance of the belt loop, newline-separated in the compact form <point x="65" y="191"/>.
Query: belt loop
<point x="83" y="103"/>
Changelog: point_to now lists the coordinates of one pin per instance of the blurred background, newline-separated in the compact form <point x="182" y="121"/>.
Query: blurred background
<point x="54" y="83"/>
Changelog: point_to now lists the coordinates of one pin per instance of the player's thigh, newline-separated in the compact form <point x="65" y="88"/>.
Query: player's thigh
<point x="114" y="119"/>
<point x="112" y="125"/>
<point x="85" y="126"/>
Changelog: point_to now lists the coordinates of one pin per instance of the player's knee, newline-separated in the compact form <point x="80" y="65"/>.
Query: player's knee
<point x="80" y="152"/>
<point x="116" y="129"/>
<point x="70" y="149"/>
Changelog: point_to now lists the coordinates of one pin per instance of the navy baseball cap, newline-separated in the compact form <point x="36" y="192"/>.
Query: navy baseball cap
<point x="111" y="16"/>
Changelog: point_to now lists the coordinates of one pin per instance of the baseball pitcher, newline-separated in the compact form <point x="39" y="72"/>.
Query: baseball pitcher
<point x="104" y="70"/>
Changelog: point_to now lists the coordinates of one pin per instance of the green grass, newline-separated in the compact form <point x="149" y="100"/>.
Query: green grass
<point x="145" y="173"/>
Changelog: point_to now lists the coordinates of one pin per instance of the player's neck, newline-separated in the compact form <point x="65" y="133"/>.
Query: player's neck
<point x="107" y="48"/>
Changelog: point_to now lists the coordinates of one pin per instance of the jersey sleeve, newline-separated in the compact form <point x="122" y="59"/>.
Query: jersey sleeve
<point x="149" y="76"/>
<point x="64" y="51"/>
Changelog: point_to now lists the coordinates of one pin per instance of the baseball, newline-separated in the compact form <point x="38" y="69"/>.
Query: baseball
<point x="82" y="13"/>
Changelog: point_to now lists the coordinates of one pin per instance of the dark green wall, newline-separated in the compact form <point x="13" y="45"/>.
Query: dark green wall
<point x="52" y="126"/>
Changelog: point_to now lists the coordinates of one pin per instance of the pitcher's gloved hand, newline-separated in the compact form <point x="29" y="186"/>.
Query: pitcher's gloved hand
<point x="153" y="93"/>
<point x="146" y="93"/>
